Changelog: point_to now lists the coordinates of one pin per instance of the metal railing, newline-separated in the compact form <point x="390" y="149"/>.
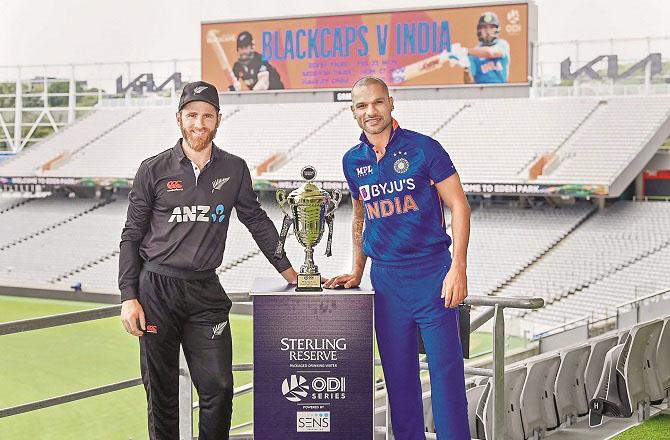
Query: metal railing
<point x="611" y="314"/>
<point x="495" y="304"/>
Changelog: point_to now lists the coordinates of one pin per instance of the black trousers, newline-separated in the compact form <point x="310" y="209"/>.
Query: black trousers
<point x="193" y="312"/>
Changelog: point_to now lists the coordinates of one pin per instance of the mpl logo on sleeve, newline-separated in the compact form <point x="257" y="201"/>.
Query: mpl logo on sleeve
<point x="364" y="171"/>
<point x="313" y="421"/>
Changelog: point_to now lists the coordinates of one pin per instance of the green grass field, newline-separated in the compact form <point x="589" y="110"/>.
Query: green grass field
<point x="50" y="362"/>
<point x="656" y="428"/>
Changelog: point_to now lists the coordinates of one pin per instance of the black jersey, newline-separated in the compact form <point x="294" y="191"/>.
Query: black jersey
<point x="177" y="222"/>
<point x="248" y="72"/>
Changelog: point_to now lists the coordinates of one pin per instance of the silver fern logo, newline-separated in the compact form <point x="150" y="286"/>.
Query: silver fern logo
<point x="199" y="89"/>
<point x="218" y="183"/>
<point x="217" y="330"/>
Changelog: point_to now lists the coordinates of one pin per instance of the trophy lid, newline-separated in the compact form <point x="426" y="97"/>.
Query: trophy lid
<point x="308" y="173"/>
<point x="309" y="189"/>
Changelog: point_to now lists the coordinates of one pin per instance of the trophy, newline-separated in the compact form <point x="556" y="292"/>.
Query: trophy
<point x="310" y="209"/>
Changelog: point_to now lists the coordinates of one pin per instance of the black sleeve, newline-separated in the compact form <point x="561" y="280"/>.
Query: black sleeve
<point x="275" y="79"/>
<point x="237" y="69"/>
<point x="262" y="229"/>
<point x="141" y="199"/>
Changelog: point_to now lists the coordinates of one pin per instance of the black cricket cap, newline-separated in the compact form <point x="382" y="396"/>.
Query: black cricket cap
<point x="244" y="39"/>
<point x="199" y="91"/>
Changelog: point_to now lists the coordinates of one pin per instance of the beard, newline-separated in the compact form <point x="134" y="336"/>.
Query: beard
<point x="197" y="143"/>
<point x="377" y="129"/>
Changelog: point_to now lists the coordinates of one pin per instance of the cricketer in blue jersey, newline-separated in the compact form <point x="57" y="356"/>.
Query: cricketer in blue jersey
<point x="489" y="61"/>
<point x="399" y="182"/>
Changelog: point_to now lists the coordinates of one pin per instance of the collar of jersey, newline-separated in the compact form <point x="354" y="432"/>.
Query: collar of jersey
<point x="396" y="134"/>
<point x="181" y="157"/>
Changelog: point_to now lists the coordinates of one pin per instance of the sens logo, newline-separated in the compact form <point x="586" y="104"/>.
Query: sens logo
<point x="175" y="185"/>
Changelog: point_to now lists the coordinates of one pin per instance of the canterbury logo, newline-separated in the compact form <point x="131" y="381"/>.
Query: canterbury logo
<point x="175" y="185"/>
<point x="217" y="330"/>
<point x="218" y="183"/>
<point x="199" y="89"/>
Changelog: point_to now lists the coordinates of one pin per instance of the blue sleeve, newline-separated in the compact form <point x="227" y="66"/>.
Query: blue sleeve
<point x="353" y="189"/>
<point x="439" y="163"/>
<point x="473" y="63"/>
<point x="504" y="47"/>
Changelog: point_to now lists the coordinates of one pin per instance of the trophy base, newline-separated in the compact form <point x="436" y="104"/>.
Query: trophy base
<point x="309" y="282"/>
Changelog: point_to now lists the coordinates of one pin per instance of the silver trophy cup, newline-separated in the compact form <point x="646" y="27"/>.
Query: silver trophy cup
<point x="309" y="209"/>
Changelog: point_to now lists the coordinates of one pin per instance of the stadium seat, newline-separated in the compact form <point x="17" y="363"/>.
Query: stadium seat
<point x="663" y="356"/>
<point x="594" y="367"/>
<point x="474" y="396"/>
<point x="640" y="368"/>
<point x="629" y="381"/>
<point x="611" y="396"/>
<point x="569" y="390"/>
<point x="537" y="397"/>
<point x="514" y="382"/>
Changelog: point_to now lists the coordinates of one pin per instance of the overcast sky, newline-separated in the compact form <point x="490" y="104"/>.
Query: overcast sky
<point x="78" y="31"/>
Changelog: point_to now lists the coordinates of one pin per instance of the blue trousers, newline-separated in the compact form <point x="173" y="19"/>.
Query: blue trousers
<point x="407" y="300"/>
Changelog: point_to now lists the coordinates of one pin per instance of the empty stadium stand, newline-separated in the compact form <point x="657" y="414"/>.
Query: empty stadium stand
<point x="554" y="391"/>
<point x="85" y="131"/>
<point x="595" y="141"/>
<point x="616" y="131"/>
<point x="259" y="132"/>
<point x="611" y="258"/>
<point x="513" y="251"/>
<point x="504" y="241"/>
<point x="70" y="239"/>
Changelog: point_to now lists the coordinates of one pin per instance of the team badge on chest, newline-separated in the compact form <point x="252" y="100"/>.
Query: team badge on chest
<point x="401" y="165"/>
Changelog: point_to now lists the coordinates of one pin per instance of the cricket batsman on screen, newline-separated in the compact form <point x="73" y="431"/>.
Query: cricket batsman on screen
<point x="486" y="63"/>
<point x="489" y="62"/>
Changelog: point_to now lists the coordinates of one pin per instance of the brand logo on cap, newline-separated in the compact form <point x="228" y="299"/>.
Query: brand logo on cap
<point x="199" y="89"/>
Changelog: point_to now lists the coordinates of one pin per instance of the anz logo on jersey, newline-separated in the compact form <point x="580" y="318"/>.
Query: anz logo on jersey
<point x="387" y="207"/>
<point x="197" y="213"/>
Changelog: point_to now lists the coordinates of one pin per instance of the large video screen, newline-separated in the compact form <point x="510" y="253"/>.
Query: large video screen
<point x="436" y="47"/>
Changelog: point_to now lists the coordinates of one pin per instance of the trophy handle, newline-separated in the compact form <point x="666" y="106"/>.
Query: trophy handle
<point x="336" y="197"/>
<point x="281" y="199"/>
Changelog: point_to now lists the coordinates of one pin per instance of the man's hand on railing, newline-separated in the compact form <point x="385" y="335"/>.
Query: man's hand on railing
<point x="454" y="286"/>
<point x="131" y="314"/>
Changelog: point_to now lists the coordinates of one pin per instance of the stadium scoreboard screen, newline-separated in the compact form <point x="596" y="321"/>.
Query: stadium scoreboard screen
<point x="406" y="48"/>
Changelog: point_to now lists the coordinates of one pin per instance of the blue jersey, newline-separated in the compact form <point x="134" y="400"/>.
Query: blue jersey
<point x="491" y="70"/>
<point x="404" y="215"/>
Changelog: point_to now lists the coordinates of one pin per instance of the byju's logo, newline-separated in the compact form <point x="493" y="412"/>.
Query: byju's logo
<point x="294" y="388"/>
<point x="387" y="188"/>
<point x="197" y="213"/>
<point x="365" y="192"/>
